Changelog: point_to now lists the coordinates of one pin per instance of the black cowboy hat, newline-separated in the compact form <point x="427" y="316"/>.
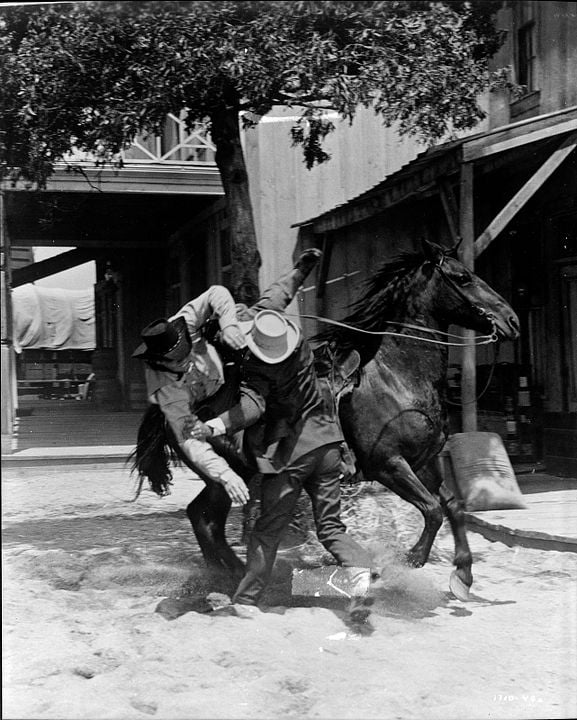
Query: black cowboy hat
<point x="164" y="340"/>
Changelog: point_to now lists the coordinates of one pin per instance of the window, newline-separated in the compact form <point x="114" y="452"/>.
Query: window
<point x="526" y="57"/>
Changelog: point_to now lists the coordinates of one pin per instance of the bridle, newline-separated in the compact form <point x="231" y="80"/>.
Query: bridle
<point x="492" y="338"/>
<point x="478" y="340"/>
<point x="453" y="285"/>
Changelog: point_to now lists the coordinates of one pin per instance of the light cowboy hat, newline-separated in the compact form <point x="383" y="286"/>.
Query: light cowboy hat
<point x="270" y="336"/>
<point x="164" y="340"/>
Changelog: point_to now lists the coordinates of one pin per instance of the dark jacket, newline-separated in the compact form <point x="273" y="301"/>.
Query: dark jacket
<point x="284" y="409"/>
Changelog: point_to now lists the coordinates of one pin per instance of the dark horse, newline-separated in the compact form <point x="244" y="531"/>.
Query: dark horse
<point x="395" y="417"/>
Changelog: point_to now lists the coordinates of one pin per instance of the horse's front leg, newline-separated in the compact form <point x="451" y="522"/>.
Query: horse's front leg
<point x="208" y="513"/>
<point x="463" y="559"/>
<point x="432" y="477"/>
<point x="397" y="475"/>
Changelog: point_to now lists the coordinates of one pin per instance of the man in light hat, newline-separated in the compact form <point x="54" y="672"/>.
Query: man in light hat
<point x="183" y="370"/>
<point x="296" y="441"/>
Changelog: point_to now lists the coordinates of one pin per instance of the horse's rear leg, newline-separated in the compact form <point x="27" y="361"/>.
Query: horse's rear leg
<point x="208" y="513"/>
<point x="399" y="477"/>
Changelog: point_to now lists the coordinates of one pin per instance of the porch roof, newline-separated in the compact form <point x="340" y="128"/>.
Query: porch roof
<point x="427" y="172"/>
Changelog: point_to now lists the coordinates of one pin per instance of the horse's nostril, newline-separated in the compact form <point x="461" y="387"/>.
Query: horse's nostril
<point x="514" y="324"/>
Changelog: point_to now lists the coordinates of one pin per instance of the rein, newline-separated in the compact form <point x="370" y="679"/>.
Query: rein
<point x="484" y="390"/>
<point x="480" y="340"/>
<point x="452" y="284"/>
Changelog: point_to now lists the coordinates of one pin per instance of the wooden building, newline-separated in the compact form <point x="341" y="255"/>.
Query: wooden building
<point x="510" y="193"/>
<point x="159" y="232"/>
<point x="122" y="219"/>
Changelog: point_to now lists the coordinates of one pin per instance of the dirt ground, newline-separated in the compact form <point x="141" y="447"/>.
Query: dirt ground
<point x="84" y="571"/>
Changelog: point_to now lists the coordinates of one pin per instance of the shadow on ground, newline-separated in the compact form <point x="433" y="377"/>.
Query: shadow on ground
<point x="156" y="554"/>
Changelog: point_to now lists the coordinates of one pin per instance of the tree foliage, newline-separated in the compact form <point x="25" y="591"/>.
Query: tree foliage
<point x="94" y="75"/>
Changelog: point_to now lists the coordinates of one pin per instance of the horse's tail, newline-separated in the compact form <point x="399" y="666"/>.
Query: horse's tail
<point x="153" y="454"/>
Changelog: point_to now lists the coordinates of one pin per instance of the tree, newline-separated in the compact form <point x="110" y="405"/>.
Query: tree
<point x="94" y="75"/>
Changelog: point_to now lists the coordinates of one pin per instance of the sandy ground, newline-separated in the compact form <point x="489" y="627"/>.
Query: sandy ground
<point x="84" y="571"/>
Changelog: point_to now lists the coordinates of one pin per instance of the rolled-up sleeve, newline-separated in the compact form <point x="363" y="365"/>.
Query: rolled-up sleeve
<point x="174" y="401"/>
<point x="218" y="301"/>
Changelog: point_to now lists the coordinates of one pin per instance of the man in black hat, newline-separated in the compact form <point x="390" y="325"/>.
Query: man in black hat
<point x="183" y="370"/>
<point x="296" y="439"/>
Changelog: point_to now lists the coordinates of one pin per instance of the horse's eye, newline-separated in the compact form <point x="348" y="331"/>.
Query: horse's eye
<point x="463" y="279"/>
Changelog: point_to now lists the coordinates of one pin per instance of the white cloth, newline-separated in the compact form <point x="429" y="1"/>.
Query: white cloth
<point x="53" y="318"/>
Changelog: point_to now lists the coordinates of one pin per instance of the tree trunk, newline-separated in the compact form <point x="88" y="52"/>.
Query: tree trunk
<point x="230" y="161"/>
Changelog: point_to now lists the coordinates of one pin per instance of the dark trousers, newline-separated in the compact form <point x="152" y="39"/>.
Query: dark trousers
<point x="318" y="473"/>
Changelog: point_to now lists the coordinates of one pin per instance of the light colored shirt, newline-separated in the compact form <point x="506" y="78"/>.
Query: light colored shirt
<point x="218" y="301"/>
<point x="179" y="388"/>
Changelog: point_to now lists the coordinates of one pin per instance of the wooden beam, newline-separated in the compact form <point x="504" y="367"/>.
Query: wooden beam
<point x="163" y="180"/>
<point x="503" y="218"/>
<point x="9" y="402"/>
<point x="524" y="133"/>
<point x="52" y="265"/>
<point x="450" y="208"/>
<point x="421" y="181"/>
<point x="467" y="256"/>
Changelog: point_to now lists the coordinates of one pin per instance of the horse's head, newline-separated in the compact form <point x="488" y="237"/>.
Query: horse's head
<point x="430" y="288"/>
<point x="460" y="297"/>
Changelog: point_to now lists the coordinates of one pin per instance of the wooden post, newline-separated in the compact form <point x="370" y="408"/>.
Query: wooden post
<point x="450" y="208"/>
<point x="9" y="396"/>
<point x="467" y="256"/>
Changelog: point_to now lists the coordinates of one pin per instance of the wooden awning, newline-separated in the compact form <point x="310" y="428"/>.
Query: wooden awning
<point x="433" y="172"/>
<point x="429" y="172"/>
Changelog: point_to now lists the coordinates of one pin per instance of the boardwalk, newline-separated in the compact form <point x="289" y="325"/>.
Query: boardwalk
<point x="549" y="522"/>
<point x="45" y="424"/>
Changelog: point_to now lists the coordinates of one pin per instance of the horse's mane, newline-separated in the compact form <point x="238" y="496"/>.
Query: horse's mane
<point x="377" y="304"/>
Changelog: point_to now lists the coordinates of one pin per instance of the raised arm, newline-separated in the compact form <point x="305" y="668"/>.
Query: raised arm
<point x="218" y="301"/>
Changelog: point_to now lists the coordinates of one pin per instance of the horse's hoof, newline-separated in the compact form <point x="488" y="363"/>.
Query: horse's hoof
<point x="414" y="561"/>
<point x="459" y="589"/>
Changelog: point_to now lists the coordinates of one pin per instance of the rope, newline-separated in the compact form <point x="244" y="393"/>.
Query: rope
<point x="480" y="340"/>
<point x="484" y="390"/>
